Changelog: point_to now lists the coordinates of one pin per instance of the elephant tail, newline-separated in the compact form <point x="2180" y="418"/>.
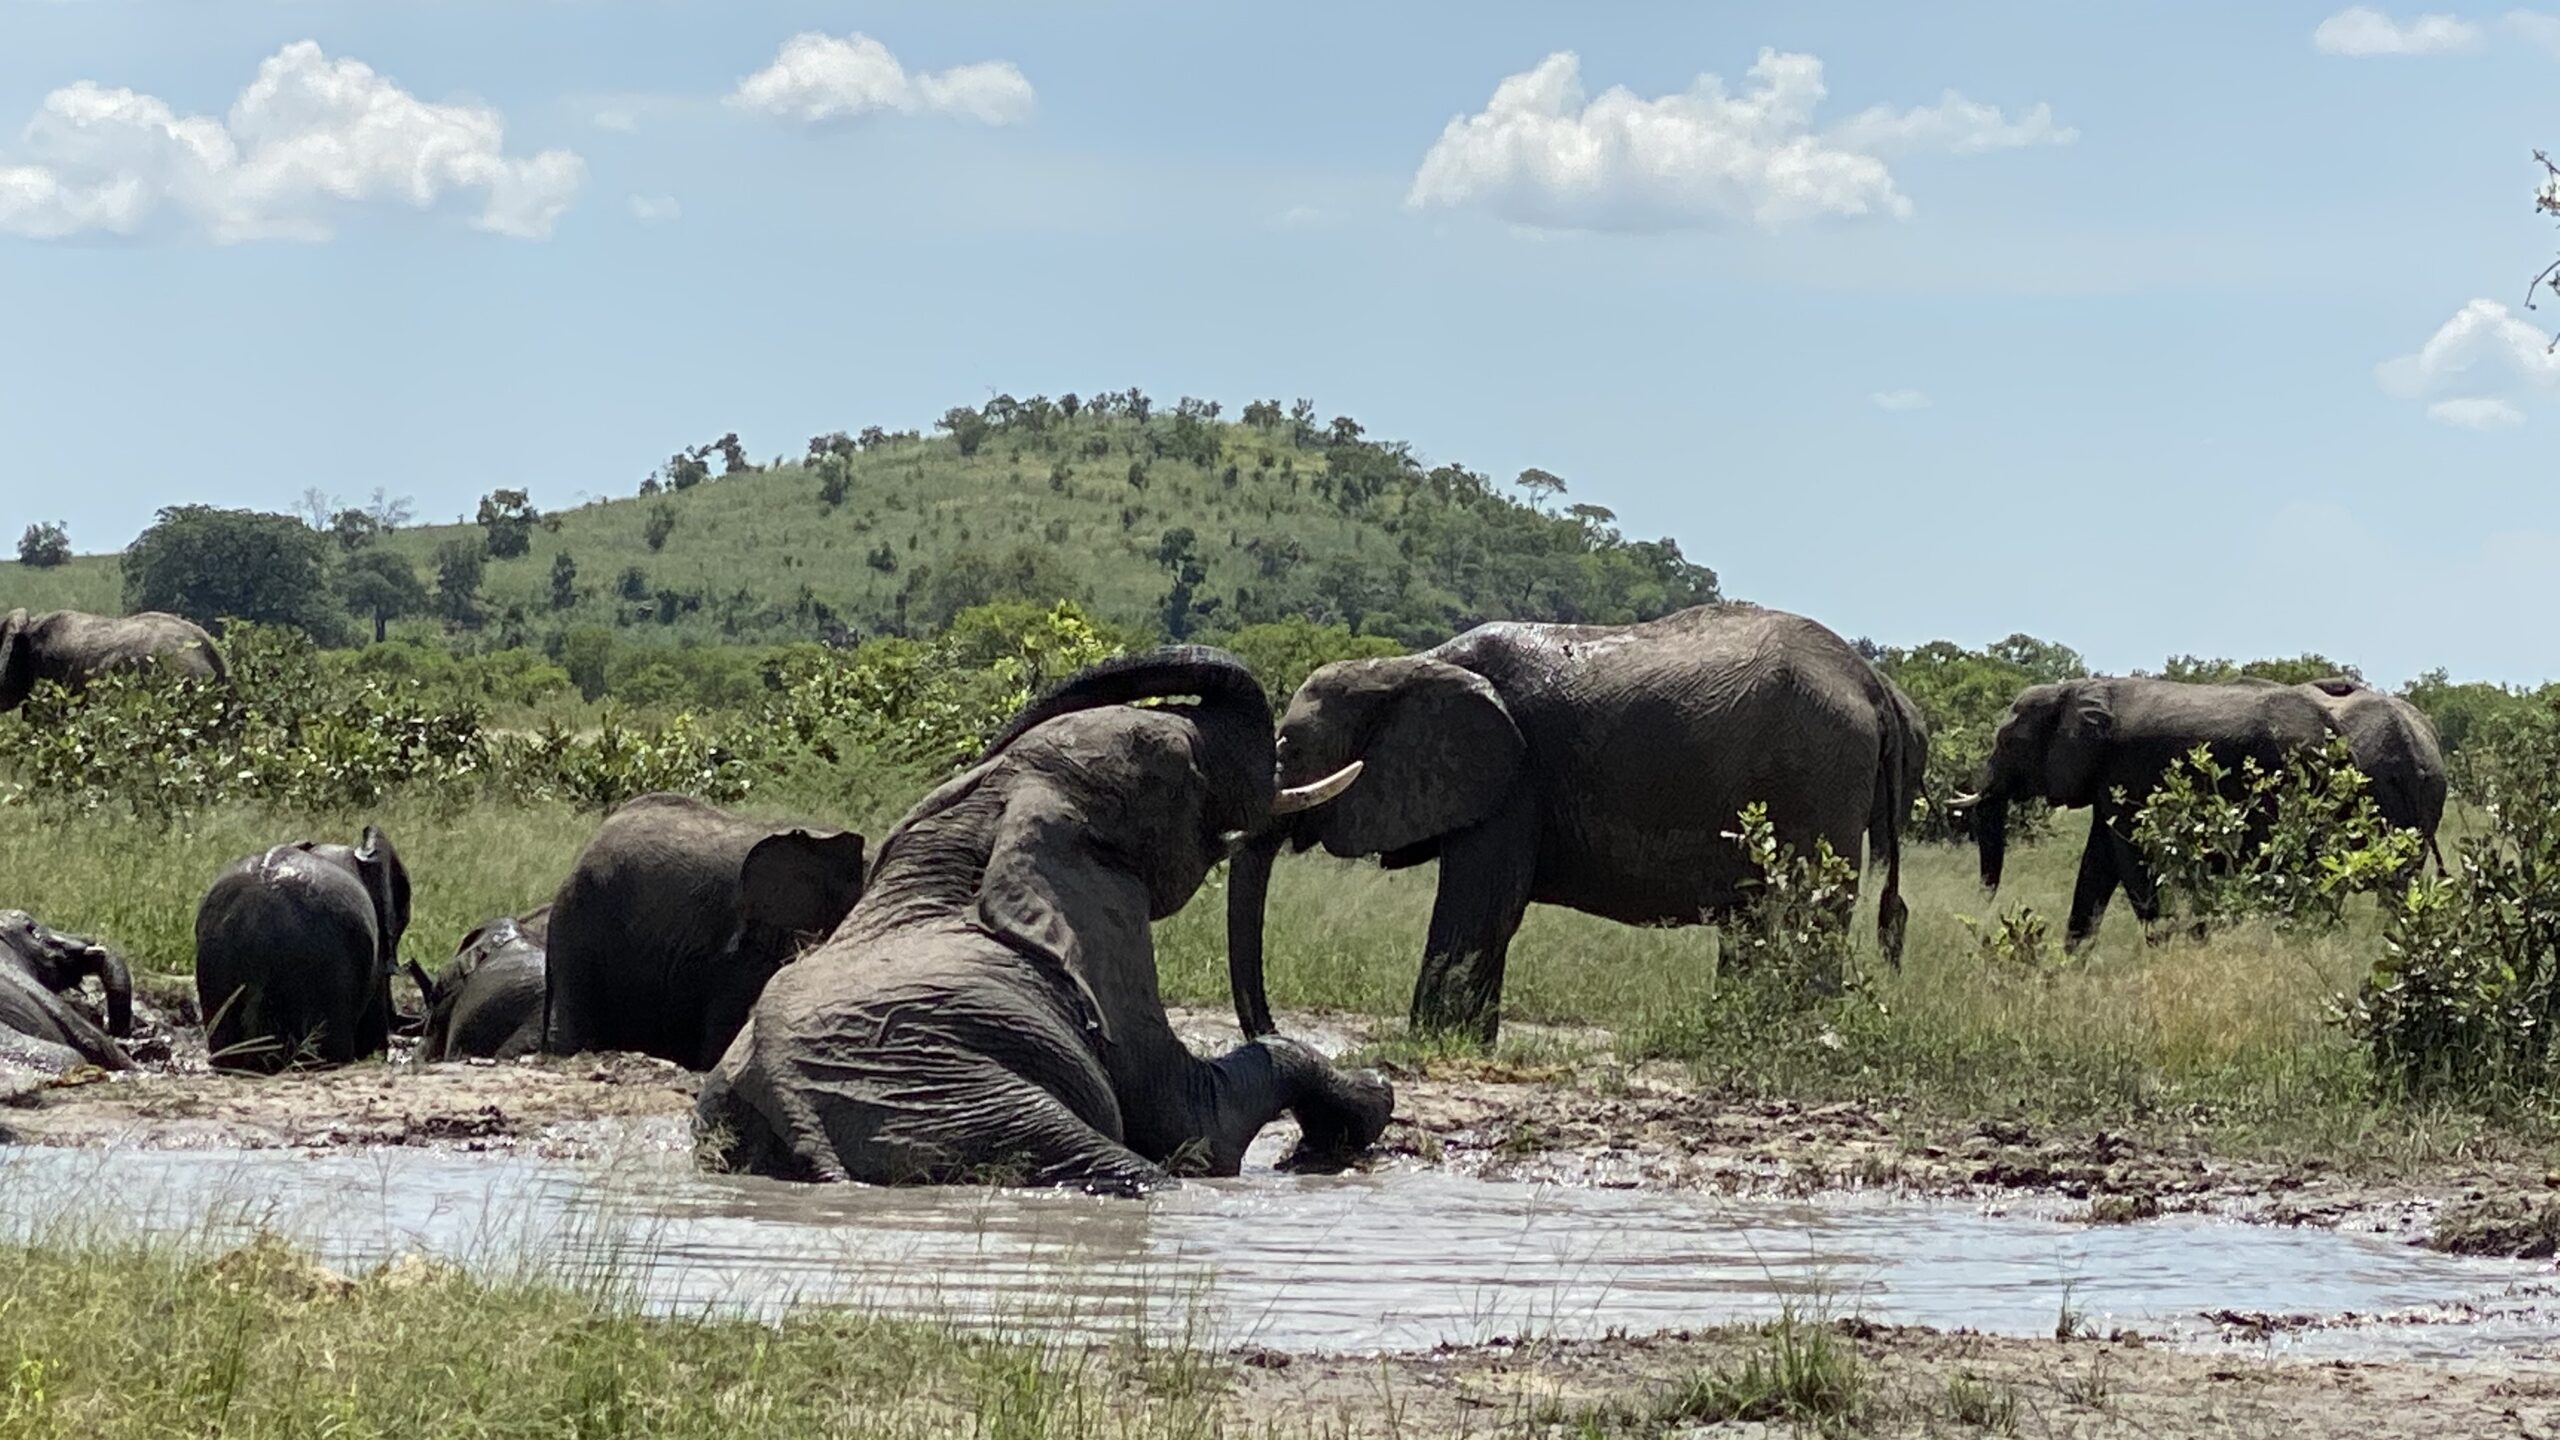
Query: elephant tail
<point x="1884" y="834"/>
<point x="1217" y="677"/>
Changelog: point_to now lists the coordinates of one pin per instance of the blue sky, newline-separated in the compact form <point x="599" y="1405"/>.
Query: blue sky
<point x="2172" y="329"/>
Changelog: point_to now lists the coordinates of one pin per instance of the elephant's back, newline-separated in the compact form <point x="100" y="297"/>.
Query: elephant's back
<point x="500" y="1013"/>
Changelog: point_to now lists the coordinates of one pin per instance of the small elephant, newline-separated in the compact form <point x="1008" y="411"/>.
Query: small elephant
<point x="990" y="1010"/>
<point x="38" y="966"/>
<point x="2394" y="744"/>
<point x="2075" y="743"/>
<point x="295" y="949"/>
<point x="1599" y="767"/>
<point x="675" y="916"/>
<point x="71" y="647"/>
<point x="487" y="1002"/>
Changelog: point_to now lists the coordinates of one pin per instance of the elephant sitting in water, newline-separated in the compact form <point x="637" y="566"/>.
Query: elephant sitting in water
<point x="990" y="1009"/>
<point x="487" y="1001"/>
<point x="2075" y="743"/>
<point x="72" y="647"/>
<point x="38" y="966"/>
<point x="1594" y="766"/>
<point x="295" y="948"/>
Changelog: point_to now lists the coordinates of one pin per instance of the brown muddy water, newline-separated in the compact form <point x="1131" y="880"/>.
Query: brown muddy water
<point x="1396" y="1260"/>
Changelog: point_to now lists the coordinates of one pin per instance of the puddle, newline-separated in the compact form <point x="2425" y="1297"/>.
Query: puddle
<point x="1397" y="1260"/>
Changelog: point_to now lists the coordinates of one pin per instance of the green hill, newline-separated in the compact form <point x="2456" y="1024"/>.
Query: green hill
<point x="1167" y="521"/>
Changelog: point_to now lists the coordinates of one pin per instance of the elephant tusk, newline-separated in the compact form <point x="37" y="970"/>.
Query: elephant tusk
<point x="1964" y="802"/>
<point x="1309" y="796"/>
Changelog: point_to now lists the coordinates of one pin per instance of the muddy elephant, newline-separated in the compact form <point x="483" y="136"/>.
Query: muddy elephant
<point x="1595" y="767"/>
<point x="2394" y="744"/>
<point x="674" y="917"/>
<point x="487" y="1001"/>
<point x="2075" y="743"/>
<point x="71" y="647"/>
<point x="990" y="1010"/>
<point x="295" y="949"/>
<point x="38" y="1029"/>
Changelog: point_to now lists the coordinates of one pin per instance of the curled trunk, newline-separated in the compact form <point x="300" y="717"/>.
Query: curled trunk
<point x="1248" y="888"/>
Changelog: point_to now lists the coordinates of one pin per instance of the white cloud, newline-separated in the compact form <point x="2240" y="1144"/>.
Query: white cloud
<point x="2476" y="369"/>
<point x="2361" y="31"/>
<point x="819" y="77"/>
<point x="1899" y="400"/>
<point x="2535" y="28"/>
<point x="1301" y="216"/>
<point x="2476" y="412"/>
<point x="656" y="209"/>
<point x="308" y="136"/>
<point x="1543" y="155"/>
<point x="616" y="119"/>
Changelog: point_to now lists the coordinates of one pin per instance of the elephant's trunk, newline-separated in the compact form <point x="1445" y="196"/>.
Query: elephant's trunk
<point x="1248" y="887"/>
<point x="1991" y="835"/>
<point x="117" y="981"/>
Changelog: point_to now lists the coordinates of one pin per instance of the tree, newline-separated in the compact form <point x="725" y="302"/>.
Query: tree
<point x="389" y="511"/>
<point x="316" y="506"/>
<point x="1541" y="485"/>
<point x="45" y="545"/>
<point x="354" y="529"/>
<point x="632" y="584"/>
<point x="733" y="455"/>
<point x="660" y="524"/>
<point x="459" y="567"/>
<point x="508" y="517"/>
<point x="1263" y="415"/>
<point x="210" y="564"/>
<point x="971" y="577"/>
<point x="586" y="652"/>
<point x="564" y="581"/>
<point x="687" y="468"/>
<point x="968" y="428"/>
<point x="380" y="586"/>
<point x="835" y="479"/>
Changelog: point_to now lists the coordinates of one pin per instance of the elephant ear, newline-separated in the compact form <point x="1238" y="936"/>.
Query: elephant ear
<point x="801" y="882"/>
<point x="17" y="660"/>
<point x="387" y="881"/>
<point x="1022" y="895"/>
<point x="2080" y="739"/>
<point x="1440" y="756"/>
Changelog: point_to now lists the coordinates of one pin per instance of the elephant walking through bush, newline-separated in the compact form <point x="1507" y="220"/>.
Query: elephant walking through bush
<point x="674" y="917"/>
<point x="1591" y="766"/>
<point x="487" y="1001"/>
<point x="2075" y="743"/>
<point x="2394" y="744"/>
<point x="295" y="948"/>
<point x="990" y="1009"/>
<point x="38" y="1029"/>
<point x="72" y="647"/>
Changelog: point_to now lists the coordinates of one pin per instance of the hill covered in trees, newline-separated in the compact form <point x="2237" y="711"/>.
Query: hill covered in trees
<point x="1175" y="521"/>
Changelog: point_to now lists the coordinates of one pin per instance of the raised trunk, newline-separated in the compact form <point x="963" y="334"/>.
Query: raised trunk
<point x="117" y="981"/>
<point x="1991" y="835"/>
<point x="1248" y="887"/>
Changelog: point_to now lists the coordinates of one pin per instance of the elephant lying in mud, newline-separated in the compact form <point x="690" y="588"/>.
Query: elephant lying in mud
<point x="2074" y="743"/>
<point x="71" y="647"/>
<point x="38" y="1030"/>
<point x="1596" y="767"/>
<point x="295" y="949"/>
<point x="674" y="917"/>
<point x="990" y="1010"/>
<point x="487" y="1001"/>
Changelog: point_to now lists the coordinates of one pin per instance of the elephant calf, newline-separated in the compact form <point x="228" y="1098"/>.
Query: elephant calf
<point x="294" y="953"/>
<point x="38" y="966"/>
<point x="72" y="647"/>
<point x="487" y="1002"/>
<point x="675" y="916"/>
<point x="989" y="1011"/>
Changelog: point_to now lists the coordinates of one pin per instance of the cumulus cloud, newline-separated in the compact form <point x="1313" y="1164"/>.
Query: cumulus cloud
<point x="2361" y="31"/>
<point x="1899" y="400"/>
<point x="308" y="137"/>
<point x="819" y="77"/>
<point x="2476" y="368"/>
<point x="1542" y="154"/>
<point x="656" y="209"/>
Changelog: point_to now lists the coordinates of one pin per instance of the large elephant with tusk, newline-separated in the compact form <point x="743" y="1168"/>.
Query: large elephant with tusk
<point x="989" y="1010"/>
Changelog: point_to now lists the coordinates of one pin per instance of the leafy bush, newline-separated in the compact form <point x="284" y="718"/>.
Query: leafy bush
<point x="44" y="545"/>
<point x="620" y="761"/>
<point x="2466" y="997"/>
<point x="1792" y="928"/>
<point x="2291" y="846"/>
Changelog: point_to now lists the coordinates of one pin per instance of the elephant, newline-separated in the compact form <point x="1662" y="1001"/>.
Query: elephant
<point x="2074" y="743"/>
<point x="990" y="1009"/>
<point x="1914" y="743"/>
<point x="2394" y="744"/>
<point x="1600" y="768"/>
<point x="71" y="647"/>
<point x="295" y="949"/>
<point x="487" y="1001"/>
<point x="674" y="917"/>
<point x="38" y="966"/>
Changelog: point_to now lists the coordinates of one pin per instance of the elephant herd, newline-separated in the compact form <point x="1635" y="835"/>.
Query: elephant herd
<point x="979" y="1001"/>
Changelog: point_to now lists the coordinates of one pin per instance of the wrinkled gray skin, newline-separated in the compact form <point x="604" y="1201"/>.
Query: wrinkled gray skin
<point x="2394" y="744"/>
<point x="673" y="919"/>
<point x="487" y="1001"/>
<point x="294" y="954"/>
<point x="2075" y="742"/>
<point x="1914" y="728"/>
<point x="1595" y="767"/>
<point x="69" y="647"/>
<point x="38" y="966"/>
<point x="990" y="1009"/>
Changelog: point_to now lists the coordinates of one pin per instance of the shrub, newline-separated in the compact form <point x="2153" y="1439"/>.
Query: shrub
<point x="2291" y="846"/>
<point x="44" y="545"/>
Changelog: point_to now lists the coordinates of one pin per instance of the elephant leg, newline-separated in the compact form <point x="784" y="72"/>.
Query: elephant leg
<point x="2097" y="884"/>
<point x="1485" y="875"/>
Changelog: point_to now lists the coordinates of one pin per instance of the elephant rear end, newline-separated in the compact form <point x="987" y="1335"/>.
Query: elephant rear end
<point x="288" y="966"/>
